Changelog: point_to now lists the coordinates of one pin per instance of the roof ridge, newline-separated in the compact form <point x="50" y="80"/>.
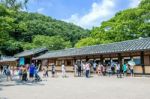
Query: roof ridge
<point x="117" y="42"/>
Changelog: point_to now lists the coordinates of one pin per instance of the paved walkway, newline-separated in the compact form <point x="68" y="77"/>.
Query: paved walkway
<point x="78" y="88"/>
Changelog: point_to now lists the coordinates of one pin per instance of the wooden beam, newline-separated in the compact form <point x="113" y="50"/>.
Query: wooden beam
<point x="142" y="62"/>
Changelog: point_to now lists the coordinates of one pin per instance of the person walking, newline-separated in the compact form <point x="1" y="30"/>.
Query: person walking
<point x="46" y="71"/>
<point x="99" y="70"/>
<point x="109" y="70"/>
<point x="125" y="68"/>
<point x="94" y="67"/>
<point x="63" y="68"/>
<point x="8" y="73"/>
<point x="83" y="69"/>
<point x="4" y="69"/>
<point x="53" y="70"/>
<point x="31" y="72"/>
<point x="24" y="73"/>
<point x="75" y="70"/>
<point x="118" y="69"/>
<point x="36" y="75"/>
<point x="20" y="72"/>
<point x="131" y="70"/>
<point x="113" y="68"/>
<point x="102" y="69"/>
<point x="87" y="68"/>
<point x="79" y="70"/>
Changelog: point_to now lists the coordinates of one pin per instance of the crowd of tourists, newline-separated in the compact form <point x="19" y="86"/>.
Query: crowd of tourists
<point x="24" y="72"/>
<point x="30" y="72"/>
<point x="85" y="69"/>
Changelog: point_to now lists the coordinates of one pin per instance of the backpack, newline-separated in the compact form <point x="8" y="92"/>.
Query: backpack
<point x="7" y="71"/>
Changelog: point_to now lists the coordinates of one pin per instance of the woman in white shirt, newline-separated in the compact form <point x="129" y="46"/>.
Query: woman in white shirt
<point x="118" y="69"/>
<point x="63" y="70"/>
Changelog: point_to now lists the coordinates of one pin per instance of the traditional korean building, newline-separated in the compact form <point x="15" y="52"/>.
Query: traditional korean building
<point x="26" y="56"/>
<point x="9" y="61"/>
<point x="137" y="50"/>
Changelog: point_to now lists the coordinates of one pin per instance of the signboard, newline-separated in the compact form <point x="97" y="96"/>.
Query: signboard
<point x="21" y="61"/>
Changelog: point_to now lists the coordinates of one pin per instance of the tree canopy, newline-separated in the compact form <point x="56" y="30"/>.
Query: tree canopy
<point x="21" y="30"/>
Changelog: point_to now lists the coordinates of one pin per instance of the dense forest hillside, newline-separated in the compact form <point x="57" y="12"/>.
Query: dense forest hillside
<point x="22" y="30"/>
<point x="125" y="25"/>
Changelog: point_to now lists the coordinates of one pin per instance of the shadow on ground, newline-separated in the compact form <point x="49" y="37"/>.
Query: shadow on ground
<point x="17" y="82"/>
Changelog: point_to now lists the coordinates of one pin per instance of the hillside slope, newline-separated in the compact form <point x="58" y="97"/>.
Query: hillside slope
<point x="23" y="30"/>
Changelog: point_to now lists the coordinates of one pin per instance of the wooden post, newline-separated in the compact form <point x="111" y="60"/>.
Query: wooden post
<point x="142" y="62"/>
<point x="87" y="59"/>
<point x="55" y="62"/>
<point x="74" y="61"/>
<point x="120" y="59"/>
<point x="80" y="61"/>
<point x="31" y="59"/>
<point x="110" y="60"/>
<point x="101" y="59"/>
<point x="120" y="62"/>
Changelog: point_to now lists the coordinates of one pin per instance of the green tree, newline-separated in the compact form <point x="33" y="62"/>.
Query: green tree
<point x="24" y="29"/>
<point x="125" y="25"/>
<point x="52" y="43"/>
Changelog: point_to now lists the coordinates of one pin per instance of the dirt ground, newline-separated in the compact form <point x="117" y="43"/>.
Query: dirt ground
<point x="78" y="88"/>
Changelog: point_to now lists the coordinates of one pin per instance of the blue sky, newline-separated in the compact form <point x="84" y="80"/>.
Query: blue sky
<point x="85" y="13"/>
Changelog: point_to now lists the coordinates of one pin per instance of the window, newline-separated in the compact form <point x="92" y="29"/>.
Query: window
<point x="147" y="60"/>
<point x="68" y="62"/>
<point x="107" y="61"/>
<point x="126" y="59"/>
<point x="137" y="60"/>
<point x="115" y="60"/>
<point x="58" y="63"/>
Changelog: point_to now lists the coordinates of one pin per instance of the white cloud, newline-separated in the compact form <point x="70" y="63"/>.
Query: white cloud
<point x="134" y="3"/>
<point x="40" y="10"/>
<point x="99" y="12"/>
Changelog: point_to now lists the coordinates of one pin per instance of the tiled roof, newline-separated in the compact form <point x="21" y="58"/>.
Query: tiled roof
<point x="30" y="52"/>
<point x="117" y="47"/>
<point x="9" y="60"/>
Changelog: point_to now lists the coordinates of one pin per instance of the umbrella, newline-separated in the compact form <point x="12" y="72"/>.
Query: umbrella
<point x="131" y="63"/>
